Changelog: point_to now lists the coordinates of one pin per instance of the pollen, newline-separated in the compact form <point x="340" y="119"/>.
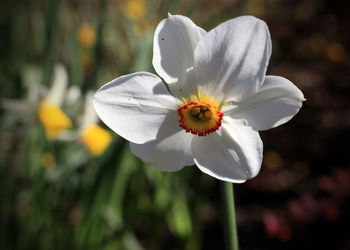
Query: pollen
<point x="200" y="118"/>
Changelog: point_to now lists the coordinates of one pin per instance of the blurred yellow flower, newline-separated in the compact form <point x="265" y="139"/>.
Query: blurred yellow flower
<point x="134" y="9"/>
<point x="86" y="35"/>
<point x="50" y="114"/>
<point x="53" y="119"/>
<point x="96" y="139"/>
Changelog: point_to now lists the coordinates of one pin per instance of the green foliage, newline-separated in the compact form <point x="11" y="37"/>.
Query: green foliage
<point x="55" y="195"/>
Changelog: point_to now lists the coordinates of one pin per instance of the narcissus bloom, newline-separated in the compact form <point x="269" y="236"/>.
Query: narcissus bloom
<point x="216" y="100"/>
<point x="53" y="119"/>
<point x="50" y="114"/>
<point x="95" y="138"/>
<point x="86" y="35"/>
<point x="134" y="9"/>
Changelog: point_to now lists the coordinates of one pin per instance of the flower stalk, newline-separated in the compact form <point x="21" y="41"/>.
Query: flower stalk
<point x="51" y="21"/>
<point x="229" y="216"/>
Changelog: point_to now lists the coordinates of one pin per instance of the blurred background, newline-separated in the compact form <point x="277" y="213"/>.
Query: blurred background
<point x="68" y="182"/>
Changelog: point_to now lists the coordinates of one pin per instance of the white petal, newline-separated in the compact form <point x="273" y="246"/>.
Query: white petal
<point x="171" y="151"/>
<point x="135" y="106"/>
<point x="59" y="85"/>
<point x="90" y="116"/>
<point x="174" y="43"/>
<point x="231" y="60"/>
<point x="233" y="153"/>
<point x="274" y="104"/>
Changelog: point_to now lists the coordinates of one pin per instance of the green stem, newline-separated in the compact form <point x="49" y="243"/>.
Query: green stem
<point x="51" y="21"/>
<point x="229" y="216"/>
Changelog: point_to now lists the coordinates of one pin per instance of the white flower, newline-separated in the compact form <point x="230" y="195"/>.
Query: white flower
<point x="95" y="138"/>
<point x="219" y="98"/>
<point x="54" y="120"/>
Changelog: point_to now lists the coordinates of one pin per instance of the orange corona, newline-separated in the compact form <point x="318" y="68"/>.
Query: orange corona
<point x="200" y="118"/>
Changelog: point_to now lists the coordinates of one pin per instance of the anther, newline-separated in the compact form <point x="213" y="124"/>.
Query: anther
<point x="204" y="108"/>
<point x="195" y="111"/>
<point x="204" y="116"/>
<point x="207" y="115"/>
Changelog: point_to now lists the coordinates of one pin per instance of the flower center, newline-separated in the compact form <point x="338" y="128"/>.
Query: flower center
<point x="200" y="118"/>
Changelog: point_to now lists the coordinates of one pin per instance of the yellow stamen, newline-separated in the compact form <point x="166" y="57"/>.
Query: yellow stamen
<point x="195" y="111"/>
<point x="205" y="116"/>
<point x="199" y="117"/>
